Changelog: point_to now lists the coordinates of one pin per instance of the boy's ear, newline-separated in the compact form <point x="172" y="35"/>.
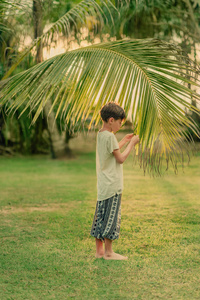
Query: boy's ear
<point x="110" y="120"/>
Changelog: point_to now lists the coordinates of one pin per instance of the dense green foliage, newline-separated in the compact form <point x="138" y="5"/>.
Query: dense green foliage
<point x="163" y="19"/>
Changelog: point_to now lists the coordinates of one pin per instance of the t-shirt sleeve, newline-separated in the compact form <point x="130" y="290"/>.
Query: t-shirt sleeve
<point x="112" y="143"/>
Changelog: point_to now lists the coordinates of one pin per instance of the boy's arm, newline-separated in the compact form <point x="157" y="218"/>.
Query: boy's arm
<point x="121" y="157"/>
<point x="126" y="139"/>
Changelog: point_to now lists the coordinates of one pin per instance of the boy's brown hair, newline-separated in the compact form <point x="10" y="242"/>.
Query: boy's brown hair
<point x="112" y="110"/>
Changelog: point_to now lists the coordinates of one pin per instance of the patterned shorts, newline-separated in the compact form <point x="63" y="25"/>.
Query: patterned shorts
<point x="107" y="218"/>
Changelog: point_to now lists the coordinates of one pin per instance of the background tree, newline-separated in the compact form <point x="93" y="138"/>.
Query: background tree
<point x="16" y="134"/>
<point x="169" y="20"/>
<point x="58" y="145"/>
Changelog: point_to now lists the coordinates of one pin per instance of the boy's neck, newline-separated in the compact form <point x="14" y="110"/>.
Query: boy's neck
<point x="106" y="126"/>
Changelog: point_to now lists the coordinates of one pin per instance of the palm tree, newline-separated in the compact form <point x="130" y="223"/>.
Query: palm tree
<point x="149" y="78"/>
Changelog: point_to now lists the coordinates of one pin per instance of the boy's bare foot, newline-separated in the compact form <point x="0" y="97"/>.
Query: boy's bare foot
<point x="99" y="255"/>
<point x="115" y="256"/>
<point x="99" y="248"/>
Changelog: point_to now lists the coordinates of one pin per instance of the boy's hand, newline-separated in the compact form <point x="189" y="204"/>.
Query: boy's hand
<point x="135" y="139"/>
<point x="128" y="137"/>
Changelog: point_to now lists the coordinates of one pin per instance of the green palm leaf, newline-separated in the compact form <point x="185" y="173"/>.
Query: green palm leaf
<point x="149" y="78"/>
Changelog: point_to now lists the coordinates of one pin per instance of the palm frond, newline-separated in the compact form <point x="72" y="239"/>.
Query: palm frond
<point x="149" y="78"/>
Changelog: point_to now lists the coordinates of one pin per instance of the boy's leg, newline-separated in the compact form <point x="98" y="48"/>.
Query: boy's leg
<point x="109" y="254"/>
<point x="99" y="248"/>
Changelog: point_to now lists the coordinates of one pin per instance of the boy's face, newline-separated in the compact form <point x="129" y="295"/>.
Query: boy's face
<point x="115" y="124"/>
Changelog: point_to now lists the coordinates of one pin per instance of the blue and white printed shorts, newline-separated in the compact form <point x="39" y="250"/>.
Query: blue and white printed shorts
<point x="107" y="218"/>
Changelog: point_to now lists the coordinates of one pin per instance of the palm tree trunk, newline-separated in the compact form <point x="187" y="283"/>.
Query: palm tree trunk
<point x="58" y="145"/>
<point x="38" y="27"/>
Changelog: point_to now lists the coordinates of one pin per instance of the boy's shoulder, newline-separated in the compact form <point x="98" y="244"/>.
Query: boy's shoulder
<point x="105" y="133"/>
<point x="106" y="137"/>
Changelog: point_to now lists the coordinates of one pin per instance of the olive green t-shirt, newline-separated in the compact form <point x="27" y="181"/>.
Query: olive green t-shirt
<point x="109" y="171"/>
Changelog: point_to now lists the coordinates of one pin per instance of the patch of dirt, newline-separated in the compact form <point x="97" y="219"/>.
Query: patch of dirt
<point x="43" y="208"/>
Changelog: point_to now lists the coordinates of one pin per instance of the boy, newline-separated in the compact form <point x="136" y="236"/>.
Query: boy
<point x="109" y="160"/>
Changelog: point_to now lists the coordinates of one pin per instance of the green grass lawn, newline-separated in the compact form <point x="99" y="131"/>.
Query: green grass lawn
<point x="46" y="211"/>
